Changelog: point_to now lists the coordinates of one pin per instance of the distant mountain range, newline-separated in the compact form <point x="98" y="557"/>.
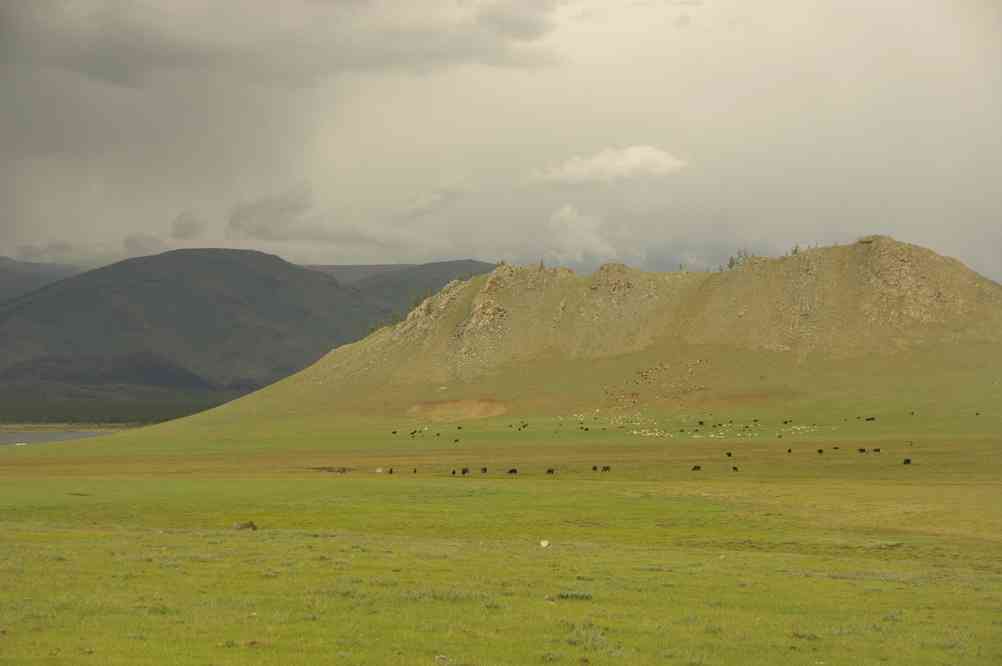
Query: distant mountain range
<point x="20" y="277"/>
<point x="349" y="273"/>
<point x="159" y="336"/>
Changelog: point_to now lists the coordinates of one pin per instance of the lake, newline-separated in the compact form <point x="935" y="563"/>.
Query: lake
<point x="8" y="437"/>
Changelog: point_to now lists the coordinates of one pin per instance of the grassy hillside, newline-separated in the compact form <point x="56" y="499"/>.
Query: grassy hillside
<point x="162" y="336"/>
<point x="756" y="510"/>
<point x="351" y="273"/>
<point x="221" y="320"/>
<point x="21" y="277"/>
<point x="876" y="321"/>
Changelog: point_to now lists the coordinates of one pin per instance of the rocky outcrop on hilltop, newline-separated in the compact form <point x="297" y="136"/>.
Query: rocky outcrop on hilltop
<point x="876" y="295"/>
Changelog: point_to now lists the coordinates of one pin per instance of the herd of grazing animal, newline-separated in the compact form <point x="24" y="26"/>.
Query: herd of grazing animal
<point x="551" y="471"/>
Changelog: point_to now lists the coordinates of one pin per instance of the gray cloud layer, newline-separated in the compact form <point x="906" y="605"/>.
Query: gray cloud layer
<point x="657" y="132"/>
<point x="188" y="226"/>
<point x="290" y="217"/>
<point x="142" y="244"/>
<point x="128" y="44"/>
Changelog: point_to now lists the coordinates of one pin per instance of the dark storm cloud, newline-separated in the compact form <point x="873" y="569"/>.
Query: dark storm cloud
<point x="127" y="43"/>
<point x="113" y="113"/>
<point x="188" y="226"/>
<point x="115" y="110"/>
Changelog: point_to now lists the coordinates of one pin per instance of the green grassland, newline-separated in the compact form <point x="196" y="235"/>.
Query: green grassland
<point x="121" y="550"/>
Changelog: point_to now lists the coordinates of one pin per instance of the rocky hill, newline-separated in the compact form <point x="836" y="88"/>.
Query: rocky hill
<point x="877" y="295"/>
<point x="399" y="291"/>
<point x="522" y="331"/>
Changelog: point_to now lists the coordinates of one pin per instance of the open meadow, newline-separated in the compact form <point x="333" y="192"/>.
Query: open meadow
<point x="825" y="489"/>
<point x="115" y="554"/>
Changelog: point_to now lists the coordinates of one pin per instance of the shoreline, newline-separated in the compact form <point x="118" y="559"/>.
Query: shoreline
<point x="68" y="427"/>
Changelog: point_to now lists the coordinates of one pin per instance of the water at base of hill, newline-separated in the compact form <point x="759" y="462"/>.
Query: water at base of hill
<point x="11" y="437"/>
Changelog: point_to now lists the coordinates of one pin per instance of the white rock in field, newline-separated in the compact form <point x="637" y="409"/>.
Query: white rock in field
<point x="544" y="544"/>
<point x="20" y="443"/>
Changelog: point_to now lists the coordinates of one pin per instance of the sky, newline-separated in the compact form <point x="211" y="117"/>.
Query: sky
<point x="577" y="132"/>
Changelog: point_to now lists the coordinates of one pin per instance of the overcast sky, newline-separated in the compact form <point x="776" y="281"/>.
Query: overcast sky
<point x="577" y="131"/>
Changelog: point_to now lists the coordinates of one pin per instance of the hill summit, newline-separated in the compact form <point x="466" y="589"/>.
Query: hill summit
<point x="877" y="295"/>
<point x="861" y="323"/>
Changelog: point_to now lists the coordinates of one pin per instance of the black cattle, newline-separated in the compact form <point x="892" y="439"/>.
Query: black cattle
<point x="908" y="461"/>
<point x="876" y="450"/>
<point x="390" y="471"/>
<point x="483" y="470"/>
<point x="729" y="454"/>
<point x="459" y="427"/>
<point x="513" y="471"/>
<point x="455" y="441"/>
<point x="696" y="468"/>
<point x="415" y="471"/>
<point x="871" y="418"/>
<point x="454" y="472"/>
<point x="789" y="450"/>
<point x="550" y="470"/>
<point x="594" y="468"/>
<point x="394" y="432"/>
<point x="700" y="423"/>
<point x="835" y="447"/>
<point x="606" y="468"/>
<point x="862" y="450"/>
<point x="466" y="470"/>
<point x="734" y="468"/>
<point x="820" y="451"/>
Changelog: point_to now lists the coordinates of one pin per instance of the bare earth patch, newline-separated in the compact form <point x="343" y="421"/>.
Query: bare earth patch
<point x="458" y="410"/>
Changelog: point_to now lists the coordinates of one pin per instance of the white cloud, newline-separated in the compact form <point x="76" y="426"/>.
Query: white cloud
<point x="613" y="164"/>
<point x="576" y="237"/>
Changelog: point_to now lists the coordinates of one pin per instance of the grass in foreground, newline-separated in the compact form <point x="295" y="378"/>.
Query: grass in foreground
<point x="112" y="556"/>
